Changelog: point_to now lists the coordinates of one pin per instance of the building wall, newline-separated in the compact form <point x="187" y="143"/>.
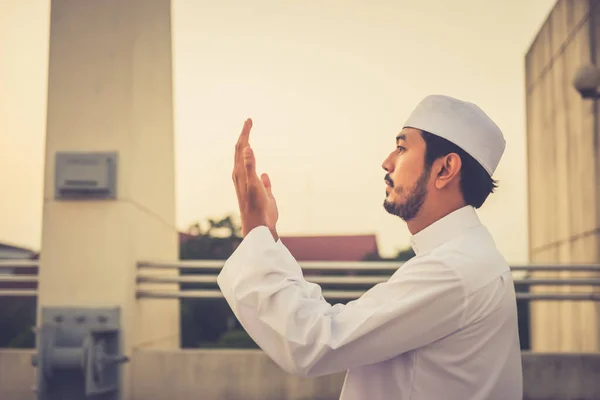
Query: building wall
<point x="563" y="171"/>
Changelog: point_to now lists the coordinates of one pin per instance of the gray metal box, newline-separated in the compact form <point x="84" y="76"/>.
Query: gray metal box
<point x="86" y="176"/>
<point x="79" y="354"/>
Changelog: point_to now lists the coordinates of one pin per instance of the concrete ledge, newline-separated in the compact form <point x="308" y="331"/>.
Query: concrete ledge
<point x="223" y="374"/>
<point x="251" y="375"/>
<point x="17" y="375"/>
<point x="561" y="376"/>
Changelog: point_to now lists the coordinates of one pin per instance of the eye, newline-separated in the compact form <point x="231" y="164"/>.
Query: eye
<point x="400" y="148"/>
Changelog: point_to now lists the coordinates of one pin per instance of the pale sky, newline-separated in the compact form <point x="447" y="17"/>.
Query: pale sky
<point x="328" y="85"/>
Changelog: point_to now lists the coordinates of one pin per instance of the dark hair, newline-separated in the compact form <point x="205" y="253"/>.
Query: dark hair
<point x="475" y="183"/>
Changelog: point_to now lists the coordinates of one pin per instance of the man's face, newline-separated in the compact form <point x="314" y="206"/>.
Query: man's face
<point x="406" y="178"/>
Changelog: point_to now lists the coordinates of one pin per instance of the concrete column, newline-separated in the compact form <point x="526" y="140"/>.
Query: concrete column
<point x="110" y="89"/>
<point x="564" y="182"/>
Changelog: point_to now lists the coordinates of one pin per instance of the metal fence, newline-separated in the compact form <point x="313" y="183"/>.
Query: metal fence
<point x="349" y="280"/>
<point x="339" y="280"/>
<point x="18" y="278"/>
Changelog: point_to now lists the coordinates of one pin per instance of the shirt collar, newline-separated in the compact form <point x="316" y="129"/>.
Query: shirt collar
<point x="444" y="229"/>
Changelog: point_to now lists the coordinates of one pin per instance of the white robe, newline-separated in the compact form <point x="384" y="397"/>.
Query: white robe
<point x="444" y="326"/>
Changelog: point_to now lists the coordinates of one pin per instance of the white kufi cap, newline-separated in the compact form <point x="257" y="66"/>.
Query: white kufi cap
<point x="462" y="123"/>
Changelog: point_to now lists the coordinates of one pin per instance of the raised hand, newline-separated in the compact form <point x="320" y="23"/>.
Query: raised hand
<point x="255" y="198"/>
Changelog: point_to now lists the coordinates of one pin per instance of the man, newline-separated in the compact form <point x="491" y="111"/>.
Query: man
<point x="444" y="326"/>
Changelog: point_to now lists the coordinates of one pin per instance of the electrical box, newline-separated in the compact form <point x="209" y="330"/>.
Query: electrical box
<point x="86" y="176"/>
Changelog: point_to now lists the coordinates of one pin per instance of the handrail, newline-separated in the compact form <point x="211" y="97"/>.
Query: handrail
<point x="19" y="264"/>
<point x="18" y="293"/>
<point x="15" y="281"/>
<point x="18" y="279"/>
<point x="348" y="286"/>
<point x="314" y="265"/>
<point x="362" y="282"/>
<point x="356" y="280"/>
<point x="306" y="265"/>
<point x="353" y="294"/>
<point x="355" y="265"/>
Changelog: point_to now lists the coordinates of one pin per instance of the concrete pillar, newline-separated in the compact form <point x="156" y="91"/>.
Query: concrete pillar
<point x="563" y="154"/>
<point x="110" y="89"/>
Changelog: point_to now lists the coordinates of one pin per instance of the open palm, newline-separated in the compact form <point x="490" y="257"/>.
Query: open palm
<point x="255" y="197"/>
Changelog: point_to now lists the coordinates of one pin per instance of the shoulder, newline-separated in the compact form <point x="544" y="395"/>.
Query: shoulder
<point x="432" y="269"/>
<point x="474" y="258"/>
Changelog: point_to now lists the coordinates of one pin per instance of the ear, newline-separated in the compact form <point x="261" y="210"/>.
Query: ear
<point x="448" y="170"/>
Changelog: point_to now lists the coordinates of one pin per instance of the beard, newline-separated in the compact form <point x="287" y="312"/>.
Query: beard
<point x="409" y="209"/>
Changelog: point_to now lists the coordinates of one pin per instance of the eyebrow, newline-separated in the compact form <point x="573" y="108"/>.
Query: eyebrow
<point x="401" y="136"/>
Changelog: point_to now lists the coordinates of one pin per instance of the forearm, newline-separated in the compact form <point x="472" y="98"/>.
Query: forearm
<point x="264" y="286"/>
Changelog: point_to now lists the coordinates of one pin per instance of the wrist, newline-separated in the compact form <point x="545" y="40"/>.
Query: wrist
<point x="249" y="225"/>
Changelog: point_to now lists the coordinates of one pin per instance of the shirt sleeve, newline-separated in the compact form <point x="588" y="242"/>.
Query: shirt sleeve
<point x="305" y="335"/>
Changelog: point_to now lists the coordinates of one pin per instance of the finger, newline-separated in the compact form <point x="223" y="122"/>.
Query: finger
<point x="252" y="188"/>
<point x="267" y="184"/>
<point x="249" y="163"/>
<point x="245" y="134"/>
<point x="238" y="175"/>
<point x="243" y="140"/>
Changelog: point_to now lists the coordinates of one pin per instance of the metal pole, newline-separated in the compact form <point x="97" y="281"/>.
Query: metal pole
<point x="19" y="293"/>
<point x="358" y="280"/>
<point x="353" y="265"/>
<point x="349" y="295"/>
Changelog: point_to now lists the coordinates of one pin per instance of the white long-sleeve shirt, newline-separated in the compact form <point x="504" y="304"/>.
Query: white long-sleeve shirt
<point x="443" y="327"/>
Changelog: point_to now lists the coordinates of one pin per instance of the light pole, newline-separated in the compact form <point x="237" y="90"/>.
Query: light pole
<point x="587" y="81"/>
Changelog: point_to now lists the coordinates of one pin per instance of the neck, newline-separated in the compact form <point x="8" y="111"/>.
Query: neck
<point x="429" y="215"/>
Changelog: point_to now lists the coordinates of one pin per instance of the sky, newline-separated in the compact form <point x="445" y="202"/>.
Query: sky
<point x="328" y="85"/>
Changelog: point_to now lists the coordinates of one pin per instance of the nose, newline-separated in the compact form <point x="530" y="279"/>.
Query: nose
<point x="388" y="165"/>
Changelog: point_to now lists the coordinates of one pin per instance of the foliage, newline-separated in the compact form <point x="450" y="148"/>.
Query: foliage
<point x="217" y="242"/>
<point x="237" y="338"/>
<point x="402" y="255"/>
<point x="207" y="322"/>
<point x="17" y="320"/>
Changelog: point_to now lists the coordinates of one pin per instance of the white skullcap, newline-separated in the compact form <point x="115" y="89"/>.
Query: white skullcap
<point x="462" y="123"/>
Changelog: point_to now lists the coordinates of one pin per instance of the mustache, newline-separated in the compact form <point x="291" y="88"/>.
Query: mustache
<point x="389" y="180"/>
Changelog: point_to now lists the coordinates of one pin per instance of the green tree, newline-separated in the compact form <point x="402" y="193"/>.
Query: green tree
<point x="210" y="322"/>
<point x="402" y="255"/>
<point x="17" y="320"/>
<point x="18" y="314"/>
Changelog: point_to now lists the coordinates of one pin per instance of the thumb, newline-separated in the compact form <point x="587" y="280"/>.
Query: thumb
<point x="267" y="184"/>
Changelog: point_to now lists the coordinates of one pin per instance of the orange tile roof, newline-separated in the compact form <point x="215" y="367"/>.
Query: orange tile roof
<point x="330" y="248"/>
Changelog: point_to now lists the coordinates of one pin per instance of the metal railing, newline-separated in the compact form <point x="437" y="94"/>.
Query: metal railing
<point x="339" y="283"/>
<point x="339" y="280"/>
<point x="18" y="278"/>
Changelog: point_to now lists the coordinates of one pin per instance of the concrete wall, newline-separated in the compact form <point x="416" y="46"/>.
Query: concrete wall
<point x="223" y="374"/>
<point x="17" y="375"/>
<point x="251" y="375"/>
<point x="563" y="161"/>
